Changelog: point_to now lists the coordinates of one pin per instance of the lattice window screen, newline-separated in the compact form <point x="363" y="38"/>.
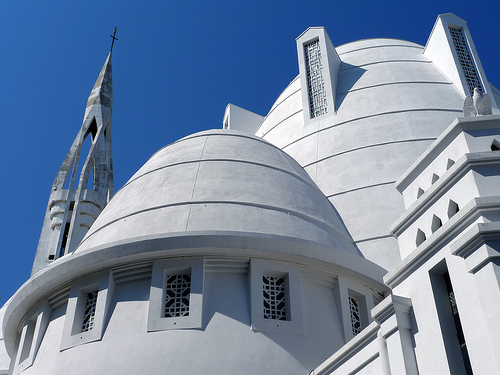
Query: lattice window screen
<point x="89" y="312"/>
<point x="315" y="81"/>
<point x="177" y="294"/>
<point x="274" y="293"/>
<point x="355" y="315"/>
<point x="465" y="58"/>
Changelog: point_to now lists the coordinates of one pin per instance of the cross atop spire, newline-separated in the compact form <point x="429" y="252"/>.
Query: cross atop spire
<point x="114" y="38"/>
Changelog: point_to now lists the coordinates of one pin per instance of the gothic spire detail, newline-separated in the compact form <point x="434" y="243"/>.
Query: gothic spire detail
<point x="81" y="190"/>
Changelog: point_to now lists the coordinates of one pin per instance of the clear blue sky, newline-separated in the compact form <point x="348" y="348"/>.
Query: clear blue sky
<point x="176" y="66"/>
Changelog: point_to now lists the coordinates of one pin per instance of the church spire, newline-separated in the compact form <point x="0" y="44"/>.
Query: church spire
<point x="81" y="190"/>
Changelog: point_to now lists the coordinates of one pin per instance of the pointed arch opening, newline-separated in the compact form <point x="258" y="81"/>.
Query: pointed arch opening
<point x="495" y="145"/>
<point x="420" y="237"/>
<point x="420" y="192"/>
<point x="449" y="164"/>
<point x="452" y="208"/>
<point x="436" y="223"/>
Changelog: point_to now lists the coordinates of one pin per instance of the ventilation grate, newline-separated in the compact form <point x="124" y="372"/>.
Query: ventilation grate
<point x="355" y="315"/>
<point x="274" y="292"/>
<point x="89" y="312"/>
<point x="177" y="295"/>
<point x="315" y="81"/>
<point x="465" y="58"/>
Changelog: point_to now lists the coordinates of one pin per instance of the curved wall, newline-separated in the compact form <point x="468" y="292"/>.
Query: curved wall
<point x="229" y="339"/>
<point x="391" y="103"/>
<point x="231" y="211"/>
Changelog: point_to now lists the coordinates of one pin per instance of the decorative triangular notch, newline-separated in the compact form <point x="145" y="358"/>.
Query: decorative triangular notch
<point x="436" y="223"/>
<point x="435" y="177"/>
<point x="495" y="145"/>
<point x="452" y="208"/>
<point x="420" y="191"/>
<point x="420" y="237"/>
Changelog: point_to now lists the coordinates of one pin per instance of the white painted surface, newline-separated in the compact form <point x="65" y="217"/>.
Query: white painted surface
<point x="391" y="102"/>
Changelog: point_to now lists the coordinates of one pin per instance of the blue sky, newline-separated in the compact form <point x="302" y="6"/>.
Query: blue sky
<point x="176" y="66"/>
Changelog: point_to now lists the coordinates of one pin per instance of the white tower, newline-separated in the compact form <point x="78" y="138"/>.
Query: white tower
<point x="80" y="191"/>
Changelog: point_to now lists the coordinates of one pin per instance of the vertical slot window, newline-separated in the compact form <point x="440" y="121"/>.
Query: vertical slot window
<point x="458" y="324"/>
<point x="89" y="311"/>
<point x="32" y="334"/>
<point x="28" y="340"/>
<point x="449" y="320"/>
<point x="315" y="80"/>
<point x="354" y="309"/>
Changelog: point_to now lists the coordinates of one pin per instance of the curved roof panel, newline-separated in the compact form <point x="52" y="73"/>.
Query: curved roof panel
<point x="220" y="181"/>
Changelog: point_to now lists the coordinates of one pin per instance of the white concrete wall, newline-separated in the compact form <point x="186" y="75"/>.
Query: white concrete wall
<point x="226" y="343"/>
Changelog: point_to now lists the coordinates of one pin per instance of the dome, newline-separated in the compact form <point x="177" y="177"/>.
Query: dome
<point x="232" y="209"/>
<point x="220" y="182"/>
<point x="391" y="103"/>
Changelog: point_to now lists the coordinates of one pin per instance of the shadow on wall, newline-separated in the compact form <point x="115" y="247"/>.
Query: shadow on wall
<point x="348" y="76"/>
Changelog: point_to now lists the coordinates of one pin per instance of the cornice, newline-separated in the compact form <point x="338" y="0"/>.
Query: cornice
<point x="445" y="182"/>
<point x="448" y="232"/>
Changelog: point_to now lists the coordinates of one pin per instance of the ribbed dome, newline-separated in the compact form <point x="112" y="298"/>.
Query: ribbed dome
<point x="220" y="182"/>
<point x="391" y="103"/>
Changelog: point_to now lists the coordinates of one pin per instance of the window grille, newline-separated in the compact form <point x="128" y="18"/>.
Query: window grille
<point x="89" y="312"/>
<point x="177" y="295"/>
<point x="355" y="315"/>
<point x="465" y="58"/>
<point x="315" y="81"/>
<point x="274" y="293"/>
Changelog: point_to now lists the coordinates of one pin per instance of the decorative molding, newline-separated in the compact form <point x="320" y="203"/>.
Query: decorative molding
<point x="470" y="245"/>
<point x="464" y="165"/>
<point x="451" y="230"/>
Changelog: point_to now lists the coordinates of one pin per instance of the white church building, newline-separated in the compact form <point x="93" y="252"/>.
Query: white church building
<point x="354" y="229"/>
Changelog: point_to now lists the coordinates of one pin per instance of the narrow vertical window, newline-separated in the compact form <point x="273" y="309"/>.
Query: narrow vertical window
<point x="177" y="295"/>
<point x="315" y="80"/>
<point x="62" y="250"/>
<point x="28" y="340"/>
<point x="465" y="58"/>
<point x="354" y="309"/>
<point x="275" y="301"/>
<point x="89" y="311"/>
<point x="458" y="324"/>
